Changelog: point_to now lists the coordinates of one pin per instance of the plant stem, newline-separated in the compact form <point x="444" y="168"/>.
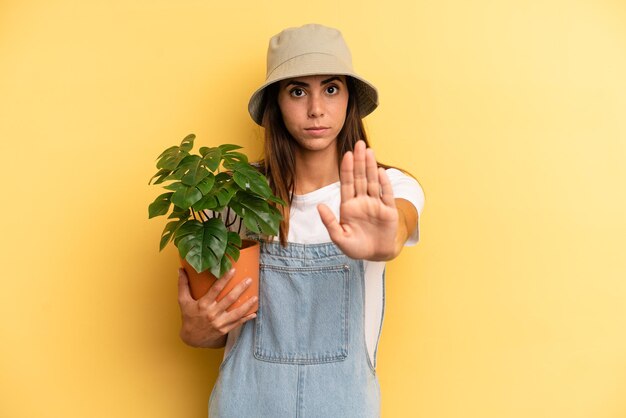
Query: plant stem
<point x="239" y="229"/>
<point x="229" y="224"/>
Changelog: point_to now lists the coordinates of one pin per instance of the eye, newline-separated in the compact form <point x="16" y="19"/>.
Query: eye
<point x="297" y="92"/>
<point x="332" y="90"/>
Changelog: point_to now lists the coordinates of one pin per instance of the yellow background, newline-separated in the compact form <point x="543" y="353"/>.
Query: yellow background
<point x="512" y="115"/>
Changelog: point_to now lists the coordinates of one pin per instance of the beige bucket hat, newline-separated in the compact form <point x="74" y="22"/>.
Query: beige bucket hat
<point x="311" y="50"/>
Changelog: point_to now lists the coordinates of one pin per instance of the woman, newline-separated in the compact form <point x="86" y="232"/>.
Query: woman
<point x="311" y="352"/>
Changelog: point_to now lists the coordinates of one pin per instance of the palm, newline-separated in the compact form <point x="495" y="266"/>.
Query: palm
<point x="368" y="218"/>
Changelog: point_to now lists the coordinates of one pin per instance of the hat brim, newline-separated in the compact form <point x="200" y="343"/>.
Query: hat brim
<point x="319" y="64"/>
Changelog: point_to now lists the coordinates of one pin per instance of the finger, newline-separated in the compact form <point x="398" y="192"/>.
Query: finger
<point x="335" y="230"/>
<point x="184" y="295"/>
<point x="387" y="190"/>
<point x="346" y="176"/>
<point x="234" y="294"/>
<point x="240" y="312"/>
<point x="371" y="169"/>
<point x="360" y="177"/>
<point x="229" y="327"/>
<point x="217" y="287"/>
<point x="230" y="319"/>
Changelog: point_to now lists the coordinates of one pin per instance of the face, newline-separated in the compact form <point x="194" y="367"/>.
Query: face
<point x="314" y="109"/>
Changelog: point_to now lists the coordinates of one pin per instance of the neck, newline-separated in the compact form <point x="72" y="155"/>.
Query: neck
<point x="315" y="170"/>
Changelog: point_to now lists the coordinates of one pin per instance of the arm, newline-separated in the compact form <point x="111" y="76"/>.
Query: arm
<point x="407" y="223"/>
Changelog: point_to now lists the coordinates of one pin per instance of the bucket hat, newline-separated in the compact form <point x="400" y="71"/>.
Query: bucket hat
<point x="311" y="50"/>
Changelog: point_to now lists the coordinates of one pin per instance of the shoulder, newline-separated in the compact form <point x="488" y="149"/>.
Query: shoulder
<point x="395" y="174"/>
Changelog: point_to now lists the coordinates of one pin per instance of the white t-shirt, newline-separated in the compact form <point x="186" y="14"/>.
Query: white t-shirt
<point x="306" y="227"/>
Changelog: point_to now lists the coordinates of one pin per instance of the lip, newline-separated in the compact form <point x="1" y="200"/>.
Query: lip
<point x="317" y="130"/>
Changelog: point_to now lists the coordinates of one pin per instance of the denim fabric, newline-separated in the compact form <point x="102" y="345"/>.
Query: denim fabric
<point x="304" y="356"/>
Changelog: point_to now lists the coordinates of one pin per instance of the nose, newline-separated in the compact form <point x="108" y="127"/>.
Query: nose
<point x="316" y="106"/>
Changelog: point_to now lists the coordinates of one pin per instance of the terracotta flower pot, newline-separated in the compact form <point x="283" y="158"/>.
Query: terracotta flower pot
<point x="246" y="266"/>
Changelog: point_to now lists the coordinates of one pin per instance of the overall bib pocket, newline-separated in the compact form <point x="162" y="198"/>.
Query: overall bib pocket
<point x="303" y="314"/>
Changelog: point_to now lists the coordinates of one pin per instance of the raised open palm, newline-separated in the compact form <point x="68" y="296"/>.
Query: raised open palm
<point x="368" y="218"/>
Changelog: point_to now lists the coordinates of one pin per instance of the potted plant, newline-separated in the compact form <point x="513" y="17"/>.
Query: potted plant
<point x="210" y="196"/>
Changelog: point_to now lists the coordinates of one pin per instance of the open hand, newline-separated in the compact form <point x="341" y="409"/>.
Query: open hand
<point x="368" y="218"/>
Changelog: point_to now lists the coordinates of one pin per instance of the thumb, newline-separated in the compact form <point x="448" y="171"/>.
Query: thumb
<point x="330" y="222"/>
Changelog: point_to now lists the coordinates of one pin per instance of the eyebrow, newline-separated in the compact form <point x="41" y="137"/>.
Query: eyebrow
<point x="302" y="84"/>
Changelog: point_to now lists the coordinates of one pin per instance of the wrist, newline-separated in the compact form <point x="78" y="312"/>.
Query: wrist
<point x="194" y="339"/>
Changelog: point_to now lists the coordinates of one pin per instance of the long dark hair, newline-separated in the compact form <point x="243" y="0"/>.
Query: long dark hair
<point x="279" y="164"/>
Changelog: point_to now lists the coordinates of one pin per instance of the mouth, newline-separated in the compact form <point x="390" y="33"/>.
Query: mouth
<point x="317" y="130"/>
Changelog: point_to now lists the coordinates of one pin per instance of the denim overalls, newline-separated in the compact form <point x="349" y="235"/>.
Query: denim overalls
<point x="305" y="355"/>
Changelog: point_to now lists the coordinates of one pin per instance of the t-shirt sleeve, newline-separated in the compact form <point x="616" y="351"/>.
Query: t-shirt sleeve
<point x="407" y="188"/>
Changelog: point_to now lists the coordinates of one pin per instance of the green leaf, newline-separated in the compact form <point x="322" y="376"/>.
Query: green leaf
<point x="231" y="254"/>
<point x="206" y="184"/>
<point x="223" y="177"/>
<point x="211" y="157"/>
<point x="168" y="232"/>
<point x="217" y="199"/>
<point x="161" y="174"/>
<point x="171" y="157"/>
<point x="208" y="202"/>
<point x="248" y="177"/>
<point x="175" y="186"/>
<point x="276" y="200"/>
<point x="185" y="196"/>
<point x="274" y="212"/>
<point x="202" y="244"/>
<point x="226" y="193"/>
<point x="192" y="169"/>
<point x="187" y="143"/>
<point x="234" y="243"/>
<point x="229" y="147"/>
<point x="175" y="175"/>
<point x="179" y="213"/>
<point x="231" y="158"/>
<point x="160" y="206"/>
<point x="257" y="215"/>
<point x="168" y="151"/>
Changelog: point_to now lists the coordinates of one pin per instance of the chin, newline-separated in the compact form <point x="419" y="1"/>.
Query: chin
<point x="316" y="144"/>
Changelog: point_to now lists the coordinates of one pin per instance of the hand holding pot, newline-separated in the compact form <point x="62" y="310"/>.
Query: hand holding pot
<point x="205" y="322"/>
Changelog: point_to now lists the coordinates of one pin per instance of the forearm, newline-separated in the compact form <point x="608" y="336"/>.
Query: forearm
<point x="407" y="222"/>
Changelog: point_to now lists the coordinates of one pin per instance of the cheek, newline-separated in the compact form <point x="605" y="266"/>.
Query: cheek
<point x="342" y="110"/>
<point x="289" y="120"/>
<point x="285" y="108"/>
<point x="287" y="115"/>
